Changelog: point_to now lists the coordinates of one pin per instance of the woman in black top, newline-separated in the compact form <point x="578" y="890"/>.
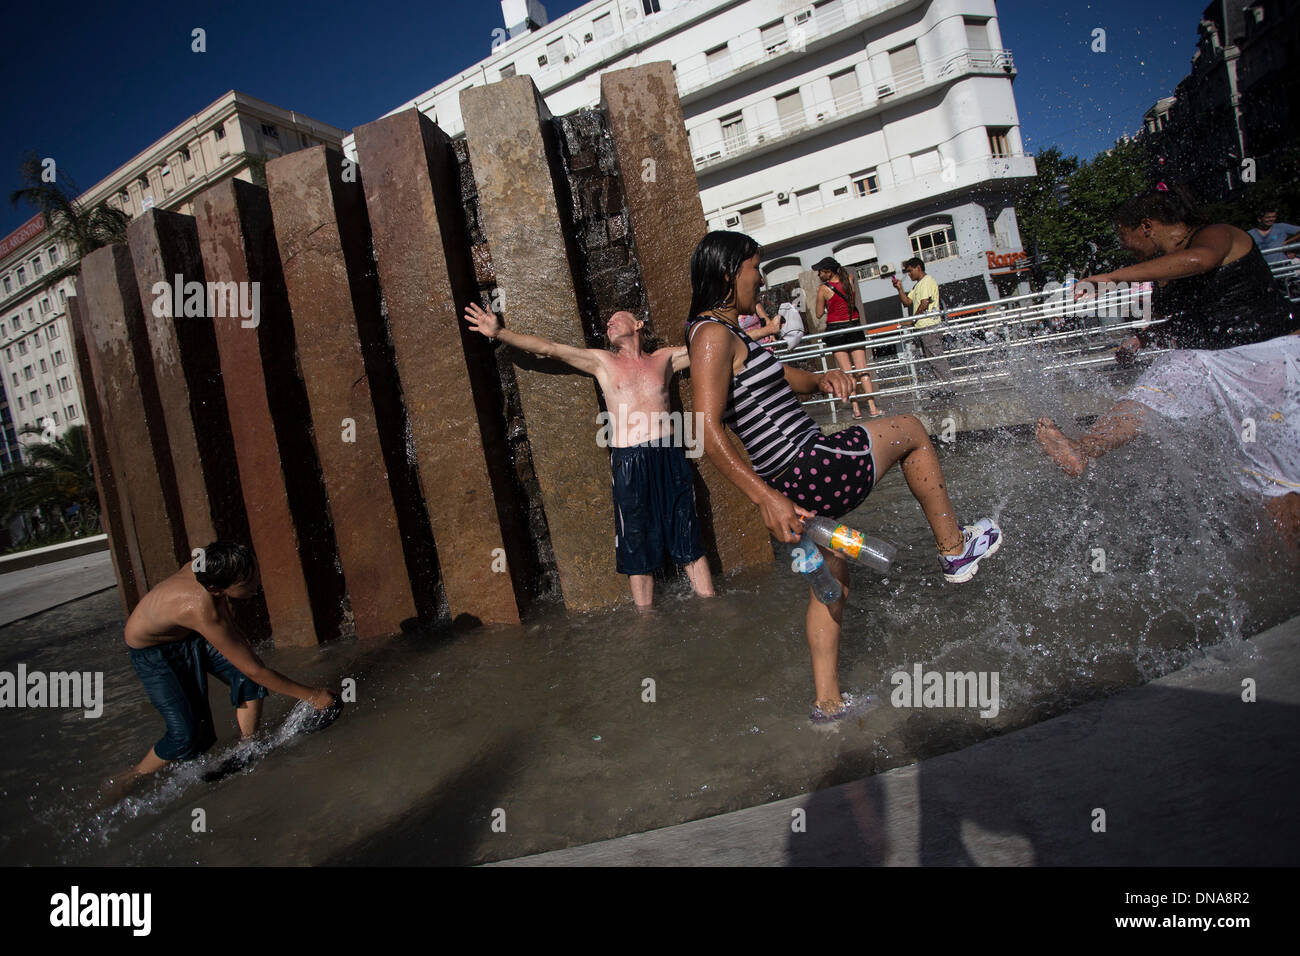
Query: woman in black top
<point x="1213" y="286"/>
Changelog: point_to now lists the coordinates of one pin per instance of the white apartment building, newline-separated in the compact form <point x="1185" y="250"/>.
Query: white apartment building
<point x="233" y="136"/>
<point x="869" y="130"/>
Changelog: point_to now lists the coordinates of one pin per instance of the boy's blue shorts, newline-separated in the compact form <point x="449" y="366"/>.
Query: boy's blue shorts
<point x="654" y="508"/>
<point x="175" y="678"/>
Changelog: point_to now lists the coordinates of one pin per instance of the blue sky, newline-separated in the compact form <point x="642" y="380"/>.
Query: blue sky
<point x="98" y="85"/>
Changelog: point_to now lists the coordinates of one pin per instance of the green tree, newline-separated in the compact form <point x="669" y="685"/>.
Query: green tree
<point x="81" y="229"/>
<point x="58" y="478"/>
<point x="1065" y="216"/>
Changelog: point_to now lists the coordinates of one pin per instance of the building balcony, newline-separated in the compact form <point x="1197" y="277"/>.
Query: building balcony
<point x="920" y="190"/>
<point x="819" y="29"/>
<point x="736" y="143"/>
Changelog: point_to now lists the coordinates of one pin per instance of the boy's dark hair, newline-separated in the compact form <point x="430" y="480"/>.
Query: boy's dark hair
<point x="1170" y="206"/>
<point x="225" y="563"/>
<point x="714" y="265"/>
<point x="914" y="263"/>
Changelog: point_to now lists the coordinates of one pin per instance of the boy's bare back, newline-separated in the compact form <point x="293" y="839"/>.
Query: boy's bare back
<point x="172" y="611"/>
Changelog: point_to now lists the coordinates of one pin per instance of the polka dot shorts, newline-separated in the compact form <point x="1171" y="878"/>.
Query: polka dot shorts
<point x="832" y="475"/>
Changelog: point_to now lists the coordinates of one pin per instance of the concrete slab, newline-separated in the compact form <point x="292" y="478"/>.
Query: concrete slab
<point x="1181" y="771"/>
<point x="29" y="591"/>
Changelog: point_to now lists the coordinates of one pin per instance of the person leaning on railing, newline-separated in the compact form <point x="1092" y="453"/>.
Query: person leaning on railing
<point x="923" y="298"/>
<point x="835" y="298"/>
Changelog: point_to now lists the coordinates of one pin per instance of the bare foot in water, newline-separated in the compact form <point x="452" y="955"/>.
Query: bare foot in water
<point x="1064" y="451"/>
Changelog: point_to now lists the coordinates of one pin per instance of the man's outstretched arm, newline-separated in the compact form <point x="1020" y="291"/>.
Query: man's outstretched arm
<point x="489" y="324"/>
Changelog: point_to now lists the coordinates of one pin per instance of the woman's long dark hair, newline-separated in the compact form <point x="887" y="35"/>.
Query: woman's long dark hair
<point x="1170" y="206"/>
<point x="714" y="266"/>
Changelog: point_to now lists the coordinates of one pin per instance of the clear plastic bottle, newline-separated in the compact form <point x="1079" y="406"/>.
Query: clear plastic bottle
<point x="857" y="547"/>
<point x="809" y="562"/>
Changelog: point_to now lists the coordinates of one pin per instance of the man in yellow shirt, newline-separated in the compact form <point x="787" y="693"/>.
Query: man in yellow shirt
<point x="924" y="298"/>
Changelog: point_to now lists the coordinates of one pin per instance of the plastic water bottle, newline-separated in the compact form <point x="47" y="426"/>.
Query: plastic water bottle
<point x="809" y="562"/>
<point x="857" y="547"/>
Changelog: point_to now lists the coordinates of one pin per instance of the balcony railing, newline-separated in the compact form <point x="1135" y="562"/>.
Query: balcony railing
<point x="736" y="142"/>
<point x="743" y="57"/>
<point x="887" y="196"/>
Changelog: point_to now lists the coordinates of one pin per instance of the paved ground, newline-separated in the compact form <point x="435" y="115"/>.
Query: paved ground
<point x="1185" y="771"/>
<point x="32" y="590"/>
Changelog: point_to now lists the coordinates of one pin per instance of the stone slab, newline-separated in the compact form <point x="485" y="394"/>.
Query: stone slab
<point x="110" y="496"/>
<point x="515" y="158"/>
<point x="667" y="222"/>
<point x="288" y="514"/>
<point x="428" y="272"/>
<point x="324" y="243"/>
<point x="134" y="429"/>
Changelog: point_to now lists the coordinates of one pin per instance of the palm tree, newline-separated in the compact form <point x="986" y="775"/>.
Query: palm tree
<point x="80" y="229"/>
<point x="59" y="480"/>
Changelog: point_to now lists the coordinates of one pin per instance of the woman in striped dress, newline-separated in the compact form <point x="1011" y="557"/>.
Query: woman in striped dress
<point x="796" y="471"/>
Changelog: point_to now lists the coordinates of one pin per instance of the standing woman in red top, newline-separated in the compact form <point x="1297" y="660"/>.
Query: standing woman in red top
<point x="835" y="300"/>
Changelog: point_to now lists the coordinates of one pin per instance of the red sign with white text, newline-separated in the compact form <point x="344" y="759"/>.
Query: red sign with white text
<point x="29" y="230"/>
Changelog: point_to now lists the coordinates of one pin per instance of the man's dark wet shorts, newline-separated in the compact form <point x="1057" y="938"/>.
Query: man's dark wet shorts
<point x="654" y="508"/>
<point x="175" y="678"/>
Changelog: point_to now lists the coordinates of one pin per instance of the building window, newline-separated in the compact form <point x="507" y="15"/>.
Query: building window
<point x="45" y="367"/>
<point x="63" y="298"/>
<point x="650" y="6"/>
<point x="21" y="406"/>
<point x="827" y="11"/>
<point x="22" y="277"/>
<point x="840" y="192"/>
<point x="8" y="286"/>
<point x="751" y="218"/>
<point x="844" y="89"/>
<point x="64" y="384"/>
<point x="718" y="60"/>
<point x="977" y="33"/>
<point x="185" y="154"/>
<point x="58" y="357"/>
<point x="789" y="107"/>
<point x="935" y="242"/>
<point x="733" y="132"/>
<point x="49" y="391"/>
<point x="809" y="199"/>
<point x="53" y="253"/>
<point x="507" y="71"/>
<point x="55" y="415"/>
<point x="45" y="305"/>
<point x="218" y="133"/>
<point x="998" y="140"/>
<point x="52" y="332"/>
<point x="866" y="183"/>
<point x="905" y="65"/>
<point x="271" y="131"/>
<point x="14" y="374"/>
<point x="22" y="347"/>
<point x="28" y="373"/>
<point x="35" y="397"/>
<point x="555" y="52"/>
<point x="72" y="412"/>
<point x="37" y="267"/>
<point x="774" y="36"/>
<point x="604" y="26"/>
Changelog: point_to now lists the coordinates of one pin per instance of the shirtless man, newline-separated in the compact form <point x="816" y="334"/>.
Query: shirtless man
<point x="654" y="500"/>
<point x="181" y="631"/>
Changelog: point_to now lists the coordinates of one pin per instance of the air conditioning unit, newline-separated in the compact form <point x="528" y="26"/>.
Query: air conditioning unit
<point x="803" y="16"/>
<point x="732" y="220"/>
<point x="821" y="117"/>
<point x="587" y="38"/>
<point x="782" y="197"/>
<point x="886" y="89"/>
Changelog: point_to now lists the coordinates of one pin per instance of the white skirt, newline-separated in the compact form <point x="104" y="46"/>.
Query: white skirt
<point x="1253" y="390"/>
